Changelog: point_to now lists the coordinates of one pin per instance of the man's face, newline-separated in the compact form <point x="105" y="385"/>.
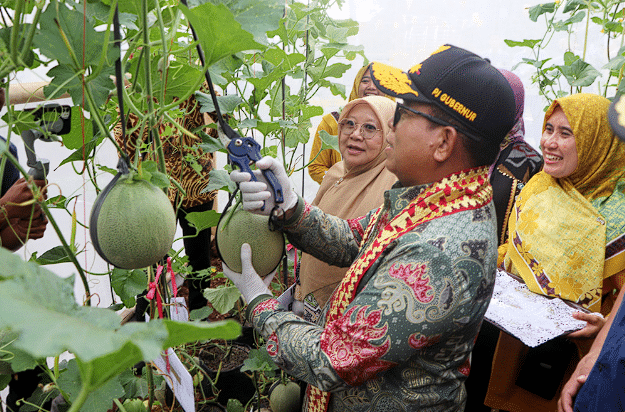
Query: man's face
<point x="411" y="145"/>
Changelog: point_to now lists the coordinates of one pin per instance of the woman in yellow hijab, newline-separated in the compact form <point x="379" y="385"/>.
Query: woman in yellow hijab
<point x="566" y="232"/>
<point x="322" y="160"/>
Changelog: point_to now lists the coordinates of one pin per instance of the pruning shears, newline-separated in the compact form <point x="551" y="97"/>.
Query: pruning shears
<point x="242" y="152"/>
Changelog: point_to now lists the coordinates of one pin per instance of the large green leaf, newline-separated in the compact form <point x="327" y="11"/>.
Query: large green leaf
<point x="64" y="76"/>
<point x="256" y="17"/>
<point x="62" y="28"/>
<point x="218" y="32"/>
<point x="41" y="309"/>
<point x="578" y="73"/>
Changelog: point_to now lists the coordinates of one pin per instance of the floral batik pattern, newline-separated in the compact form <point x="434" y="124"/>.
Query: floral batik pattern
<point x="398" y="331"/>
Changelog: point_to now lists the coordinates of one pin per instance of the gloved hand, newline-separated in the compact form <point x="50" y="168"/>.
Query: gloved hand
<point x="248" y="282"/>
<point x="255" y="194"/>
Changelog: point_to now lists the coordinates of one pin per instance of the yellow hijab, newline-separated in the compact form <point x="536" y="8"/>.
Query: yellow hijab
<point x="557" y="232"/>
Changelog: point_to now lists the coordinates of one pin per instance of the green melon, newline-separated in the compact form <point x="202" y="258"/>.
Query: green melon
<point x="132" y="223"/>
<point x="244" y="227"/>
<point x="285" y="398"/>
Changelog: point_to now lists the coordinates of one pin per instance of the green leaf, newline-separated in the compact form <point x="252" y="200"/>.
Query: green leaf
<point x="30" y="295"/>
<point x="57" y="254"/>
<point x="227" y="104"/>
<point x="218" y="32"/>
<point x="524" y="43"/>
<point x="203" y="220"/>
<point x="537" y="11"/>
<point x="235" y="405"/>
<point x="259" y="360"/>
<point x="128" y="283"/>
<point x="311" y="111"/>
<point x="223" y="298"/>
<point x="77" y="136"/>
<point x="219" y="180"/>
<point x="616" y="63"/>
<point x="82" y="153"/>
<point x="579" y="73"/>
<point x="209" y="143"/>
<point x="199" y="314"/>
<point x="100" y="86"/>
<point x="574" y="5"/>
<point x="135" y="386"/>
<point x="58" y="24"/>
<point x="258" y="17"/>
<point x="99" y="399"/>
<point x="328" y="141"/>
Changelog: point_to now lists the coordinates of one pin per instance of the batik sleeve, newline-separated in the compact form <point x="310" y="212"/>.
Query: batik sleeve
<point x="326" y="237"/>
<point x="414" y="301"/>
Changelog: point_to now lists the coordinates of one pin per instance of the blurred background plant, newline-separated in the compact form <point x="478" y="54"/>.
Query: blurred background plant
<point x="561" y="73"/>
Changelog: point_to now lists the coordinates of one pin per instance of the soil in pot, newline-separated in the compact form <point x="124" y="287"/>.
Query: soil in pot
<point x="231" y="382"/>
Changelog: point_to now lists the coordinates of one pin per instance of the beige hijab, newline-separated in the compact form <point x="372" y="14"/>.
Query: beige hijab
<point x="348" y="194"/>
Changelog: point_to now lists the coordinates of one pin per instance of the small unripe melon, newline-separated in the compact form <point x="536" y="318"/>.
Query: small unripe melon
<point x="132" y="223"/>
<point x="285" y="398"/>
<point x="245" y="227"/>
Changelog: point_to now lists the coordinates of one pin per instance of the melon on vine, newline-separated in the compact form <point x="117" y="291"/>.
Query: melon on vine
<point x="238" y="226"/>
<point x="132" y="222"/>
<point x="285" y="397"/>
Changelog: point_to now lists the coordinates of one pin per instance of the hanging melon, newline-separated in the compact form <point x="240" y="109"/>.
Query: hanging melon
<point x="238" y="226"/>
<point x="132" y="223"/>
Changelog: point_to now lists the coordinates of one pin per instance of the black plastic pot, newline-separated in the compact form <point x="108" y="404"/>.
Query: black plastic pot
<point x="230" y="381"/>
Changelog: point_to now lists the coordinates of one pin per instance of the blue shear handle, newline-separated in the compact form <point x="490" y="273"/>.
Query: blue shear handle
<point x="275" y="185"/>
<point x="243" y="151"/>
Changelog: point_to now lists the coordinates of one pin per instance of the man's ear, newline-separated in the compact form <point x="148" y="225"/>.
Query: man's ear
<point x="447" y="140"/>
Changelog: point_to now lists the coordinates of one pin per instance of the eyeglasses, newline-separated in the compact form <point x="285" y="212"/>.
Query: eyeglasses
<point x="367" y="130"/>
<point x="399" y="111"/>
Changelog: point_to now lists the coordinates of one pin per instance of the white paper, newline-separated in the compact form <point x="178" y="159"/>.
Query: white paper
<point x="528" y="316"/>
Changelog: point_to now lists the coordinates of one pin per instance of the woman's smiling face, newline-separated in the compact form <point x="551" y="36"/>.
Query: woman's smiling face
<point x="355" y="149"/>
<point x="558" y="146"/>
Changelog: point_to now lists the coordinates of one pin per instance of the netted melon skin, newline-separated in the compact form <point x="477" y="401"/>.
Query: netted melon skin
<point x="136" y="224"/>
<point x="245" y="227"/>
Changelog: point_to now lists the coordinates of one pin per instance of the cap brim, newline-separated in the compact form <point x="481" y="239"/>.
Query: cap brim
<point x="395" y="82"/>
<point x="616" y="116"/>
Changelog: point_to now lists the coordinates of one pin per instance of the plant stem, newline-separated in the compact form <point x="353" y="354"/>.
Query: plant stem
<point x="80" y="400"/>
<point x="52" y="221"/>
<point x="586" y="33"/>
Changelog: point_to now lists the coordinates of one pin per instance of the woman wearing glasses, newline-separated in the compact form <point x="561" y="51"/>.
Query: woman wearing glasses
<point x="322" y="160"/>
<point x="351" y="188"/>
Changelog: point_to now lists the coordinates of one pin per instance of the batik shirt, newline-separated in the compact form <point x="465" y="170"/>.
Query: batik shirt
<point x="403" y="343"/>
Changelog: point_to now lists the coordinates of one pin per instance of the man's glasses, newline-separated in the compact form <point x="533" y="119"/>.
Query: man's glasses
<point x="367" y="130"/>
<point x="400" y="109"/>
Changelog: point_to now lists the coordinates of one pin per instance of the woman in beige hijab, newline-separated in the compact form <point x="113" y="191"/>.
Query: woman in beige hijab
<point x="350" y="189"/>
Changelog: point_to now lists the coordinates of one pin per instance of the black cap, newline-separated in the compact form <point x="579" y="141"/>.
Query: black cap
<point x="460" y="83"/>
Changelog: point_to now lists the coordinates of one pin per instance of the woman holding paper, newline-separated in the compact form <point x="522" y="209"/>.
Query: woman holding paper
<point x="566" y="234"/>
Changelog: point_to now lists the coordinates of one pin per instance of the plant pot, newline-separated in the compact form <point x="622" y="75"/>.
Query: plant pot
<point x="229" y="380"/>
<point x="247" y="337"/>
<point x="211" y="407"/>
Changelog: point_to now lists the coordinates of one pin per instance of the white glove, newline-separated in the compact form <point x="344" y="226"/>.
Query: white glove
<point x="248" y="282"/>
<point x="256" y="194"/>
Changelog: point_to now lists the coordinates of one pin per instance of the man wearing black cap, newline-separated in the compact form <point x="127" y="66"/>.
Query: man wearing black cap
<point x="398" y="331"/>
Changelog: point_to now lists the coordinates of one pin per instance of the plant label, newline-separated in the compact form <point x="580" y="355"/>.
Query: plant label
<point x="178" y="378"/>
